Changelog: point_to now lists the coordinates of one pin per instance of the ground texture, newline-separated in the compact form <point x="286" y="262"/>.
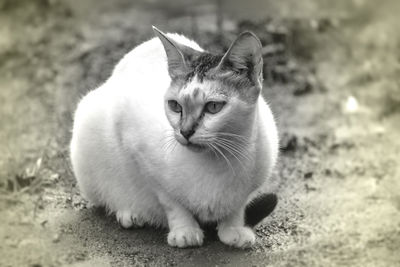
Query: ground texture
<point x="337" y="107"/>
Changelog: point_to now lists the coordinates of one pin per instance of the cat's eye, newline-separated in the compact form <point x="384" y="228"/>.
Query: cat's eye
<point x="214" y="107"/>
<point x="174" y="106"/>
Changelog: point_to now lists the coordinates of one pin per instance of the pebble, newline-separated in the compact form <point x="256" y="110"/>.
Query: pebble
<point x="308" y="175"/>
<point x="56" y="238"/>
<point x="54" y="177"/>
<point x="289" y="143"/>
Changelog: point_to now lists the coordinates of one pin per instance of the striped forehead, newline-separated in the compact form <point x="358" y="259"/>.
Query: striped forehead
<point x="192" y="94"/>
<point x="192" y="98"/>
<point x="199" y="92"/>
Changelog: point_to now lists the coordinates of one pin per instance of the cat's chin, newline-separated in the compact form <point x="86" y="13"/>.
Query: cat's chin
<point x="196" y="147"/>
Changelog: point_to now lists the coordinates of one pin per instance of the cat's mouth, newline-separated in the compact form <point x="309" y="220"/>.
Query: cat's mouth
<point x="196" y="147"/>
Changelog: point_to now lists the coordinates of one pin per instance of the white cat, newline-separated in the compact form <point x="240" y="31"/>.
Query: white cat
<point x="178" y="136"/>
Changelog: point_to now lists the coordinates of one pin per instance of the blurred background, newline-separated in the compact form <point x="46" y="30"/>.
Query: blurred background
<point x="332" y="78"/>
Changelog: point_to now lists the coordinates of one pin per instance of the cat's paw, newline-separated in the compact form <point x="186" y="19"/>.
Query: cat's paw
<point x="127" y="219"/>
<point x="239" y="237"/>
<point x="183" y="237"/>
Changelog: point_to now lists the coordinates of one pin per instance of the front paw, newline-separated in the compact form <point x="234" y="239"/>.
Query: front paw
<point x="239" y="237"/>
<point x="128" y="219"/>
<point x="183" y="237"/>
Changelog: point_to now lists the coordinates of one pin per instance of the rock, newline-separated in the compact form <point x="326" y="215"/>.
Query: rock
<point x="308" y="175"/>
<point x="328" y="172"/>
<point x="304" y="85"/>
<point x="289" y="143"/>
<point x="333" y="173"/>
<point x="56" y="238"/>
<point x="346" y="144"/>
<point x="310" y="188"/>
<point x="54" y="177"/>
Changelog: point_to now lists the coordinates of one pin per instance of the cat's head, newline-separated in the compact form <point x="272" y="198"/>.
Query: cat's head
<point x="211" y="101"/>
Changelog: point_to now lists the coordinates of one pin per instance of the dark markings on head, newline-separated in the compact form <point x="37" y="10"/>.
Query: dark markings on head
<point x="239" y="79"/>
<point x="202" y="64"/>
<point x="186" y="102"/>
<point x="196" y="92"/>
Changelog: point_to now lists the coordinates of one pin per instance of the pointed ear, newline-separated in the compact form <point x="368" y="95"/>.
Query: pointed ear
<point x="177" y="54"/>
<point x="244" y="55"/>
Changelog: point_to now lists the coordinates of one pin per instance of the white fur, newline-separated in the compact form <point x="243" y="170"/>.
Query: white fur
<point x="120" y="161"/>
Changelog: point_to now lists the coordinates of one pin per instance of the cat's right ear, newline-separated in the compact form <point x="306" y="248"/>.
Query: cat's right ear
<point x="244" y="56"/>
<point x="177" y="65"/>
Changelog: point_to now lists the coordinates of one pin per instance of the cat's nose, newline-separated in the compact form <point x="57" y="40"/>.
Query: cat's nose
<point x="187" y="134"/>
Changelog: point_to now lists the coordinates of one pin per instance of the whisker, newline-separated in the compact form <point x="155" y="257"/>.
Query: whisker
<point x="234" y="154"/>
<point x="167" y="145"/>
<point x="226" y="159"/>
<point x="239" y="140"/>
<point x="235" y="143"/>
<point x="232" y="135"/>
<point x="168" y="140"/>
<point x="239" y="145"/>
<point x="175" y="144"/>
<point x="238" y="148"/>
<point x="212" y="149"/>
<point x="230" y="151"/>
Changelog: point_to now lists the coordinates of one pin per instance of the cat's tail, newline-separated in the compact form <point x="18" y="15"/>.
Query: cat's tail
<point x="260" y="208"/>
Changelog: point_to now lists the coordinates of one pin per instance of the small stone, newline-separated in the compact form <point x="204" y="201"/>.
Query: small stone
<point x="54" y="177"/>
<point x="80" y="256"/>
<point x="27" y="243"/>
<point x="25" y="221"/>
<point x="308" y="175"/>
<point x="310" y="188"/>
<point x="56" y="238"/>
<point x="328" y="172"/>
<point x="289" y="143"/>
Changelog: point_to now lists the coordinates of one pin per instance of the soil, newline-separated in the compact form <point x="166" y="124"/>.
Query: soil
<point x="338" y="173"/>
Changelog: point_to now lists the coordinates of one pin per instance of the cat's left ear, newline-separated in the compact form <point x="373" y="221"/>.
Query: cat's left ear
<point x="178" y="55"/>
<point x="244" y="55"/>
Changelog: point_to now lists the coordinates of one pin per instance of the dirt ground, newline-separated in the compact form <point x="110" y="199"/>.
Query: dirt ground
<point x="339" y="120"/>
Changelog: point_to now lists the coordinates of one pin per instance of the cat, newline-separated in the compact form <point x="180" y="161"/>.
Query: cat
<point x="177" y="137"/>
